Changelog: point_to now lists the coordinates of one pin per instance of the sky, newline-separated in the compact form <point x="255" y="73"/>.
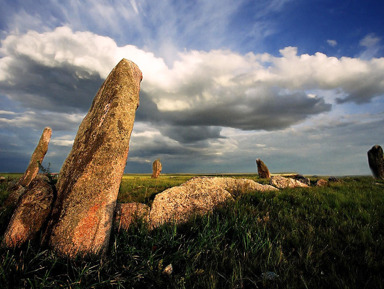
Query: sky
<point x="296" y="83"/>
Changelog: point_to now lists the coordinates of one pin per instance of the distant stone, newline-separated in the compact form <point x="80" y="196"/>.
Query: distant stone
<point x="333" y="180"/>
<point x="302" y="179"/>
<point x="156" y="169"/>
<point x="30" y="214"/>
<point x="90" y="178"/>
<point x="32" y="169"/>
<point x="128" y="213"/>
<point x="376" y="161"/>
<point x="321" y="183"/>
<point x="2" y="179"/>
<point x="282" y="183"/>
<point x="262" y="170"/>
<point x="198" y="196"/>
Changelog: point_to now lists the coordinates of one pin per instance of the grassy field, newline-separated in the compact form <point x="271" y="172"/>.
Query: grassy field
<point x="319" y="237"/>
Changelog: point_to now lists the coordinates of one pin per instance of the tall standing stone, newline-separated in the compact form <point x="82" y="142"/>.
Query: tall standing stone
<point x="32" y="169"/>
<point x="262" y="170"/>
<point x="376" y="161"/>
<point x="156" y="169"/>
<point x="90" y="178"/>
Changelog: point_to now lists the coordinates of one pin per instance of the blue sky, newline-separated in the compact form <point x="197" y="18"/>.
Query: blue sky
<point x="297" y="83"/>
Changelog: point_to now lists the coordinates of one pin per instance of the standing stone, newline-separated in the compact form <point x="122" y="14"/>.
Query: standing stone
<point x="376" y="161"/>
<point x="89" y="180"/>
<point x="32" y="169"/>
<point x="262" y="170"/>
<point x="156" y="169"/>
<point x="31" y="213"/>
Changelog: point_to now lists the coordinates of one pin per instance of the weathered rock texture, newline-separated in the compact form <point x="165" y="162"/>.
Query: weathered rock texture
<point x="31" y="213"/>
<point x="128" y="213"/>
<point x="32" y="169"/>
<point x="156" y="169"/>
<point x="282" y="183"/>
<point x="262" y="170"/>
<point x="90" y="178"/>
<point x="198" y="196"/>
<point x="376" y="161"/>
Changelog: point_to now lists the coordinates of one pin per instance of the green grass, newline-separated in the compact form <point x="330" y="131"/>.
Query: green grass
<point x="328" y="237"/>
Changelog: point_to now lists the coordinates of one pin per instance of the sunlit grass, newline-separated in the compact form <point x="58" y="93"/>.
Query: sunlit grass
<point x="318" y="237"/>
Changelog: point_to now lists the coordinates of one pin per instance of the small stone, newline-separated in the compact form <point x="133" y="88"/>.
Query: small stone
<point x="128" y="213"/>
<point x="269" y="276"/>
<point x="302" y="179"/>
<point x="321" y="183"/>
<point x="168" y="270"/>
<point x="262" y="170"/>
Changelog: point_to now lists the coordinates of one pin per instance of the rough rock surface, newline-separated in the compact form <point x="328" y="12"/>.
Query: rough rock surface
<point x="198" y="196"/>
<point x="262" y="169"/>
<point x="32" y="169"/>
<point x="156" y="169"/>
<point x="376" y="161"/>
<point x="89" y="180"/>
<point x="302" y="179"/>
<point x="127" y="213"/>
<point x="282" y="183"/>
<point x="31" y="213"/>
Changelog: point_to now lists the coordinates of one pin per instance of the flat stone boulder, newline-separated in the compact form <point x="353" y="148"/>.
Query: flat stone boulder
<point x="262" y="170"/>
<point x="32" y="170"/>
<point x="156" y="169"/>
<point x="128" y="213"/>
<point x="197" y="196"/>
<point x="30" y="214"/>
<point x="282" y="183"/>
<point x="90" y="177"/>
<point x="376" y="161"/>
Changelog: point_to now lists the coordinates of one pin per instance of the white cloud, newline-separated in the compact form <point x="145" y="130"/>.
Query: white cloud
<point x="332" y="43"/>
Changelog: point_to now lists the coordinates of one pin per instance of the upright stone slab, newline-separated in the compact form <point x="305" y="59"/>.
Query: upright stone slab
<point x="90" y="178"/>
<point x="31" y="213"/>
<point x="156" y="169"/>
<point x="32" y="169"/>
<point x="262" y="170"/>
<point x="376" y="161"/>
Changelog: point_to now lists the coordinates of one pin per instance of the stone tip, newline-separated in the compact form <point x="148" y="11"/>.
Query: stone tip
<point x="125" y="61"/>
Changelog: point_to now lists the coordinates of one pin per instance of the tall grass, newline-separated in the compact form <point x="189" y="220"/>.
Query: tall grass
<point x="327" y="237"/>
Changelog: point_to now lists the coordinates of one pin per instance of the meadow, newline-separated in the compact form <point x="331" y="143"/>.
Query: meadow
<point x="318" y="237"/>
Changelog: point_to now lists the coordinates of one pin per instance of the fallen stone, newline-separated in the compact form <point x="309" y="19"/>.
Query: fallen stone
<point x="30" y="214"/>
<point x="32" y="170"/>
<point x="128" y="213"/>
<point x="376" y="161"/>
<point x="89" y="180"/>
<point x="333" y="179"/>
<point x="282" y="183"/>
<point x="197" y="196"/>
<point x="321" y="183"/>
<point x="156" y="169"/>
<point x="262" y="170"/>
<point x="302" y="179"/>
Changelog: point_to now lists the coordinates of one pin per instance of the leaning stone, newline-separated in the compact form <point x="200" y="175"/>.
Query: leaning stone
<point x="156" y="169"/>
<point x="262" y="170"/>
<point x="376" y="161"/>
<point x="197" y="196"/>
<point x="30" y="214"/>
<point x="128" y="213"/>
<point x="90" y="178"/>
<point x="32" y="169"/>
<point x="282" y="183"/>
